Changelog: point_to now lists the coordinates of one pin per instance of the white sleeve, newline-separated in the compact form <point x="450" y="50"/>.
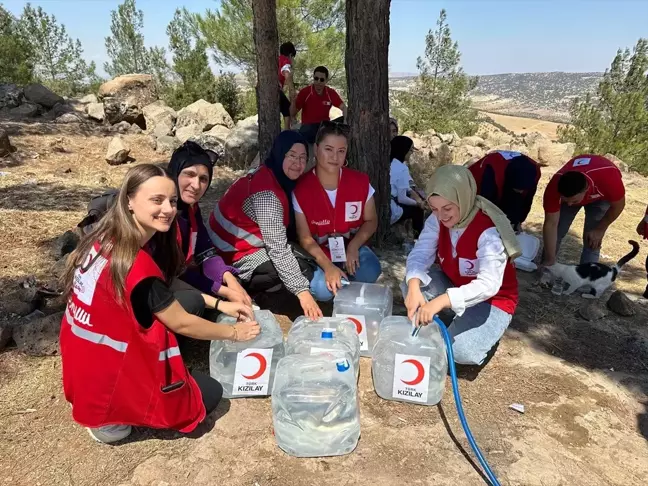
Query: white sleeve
<point x="492" y="263"/>
<point x="402" y="188"/>
<point x="424" y="252"/>
<point x="286" y="67"/>
<point x="296" y="205"/>
<point x="371" y="192"/>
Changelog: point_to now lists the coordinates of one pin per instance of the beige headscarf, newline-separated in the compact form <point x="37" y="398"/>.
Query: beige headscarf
<point x="456" y="184"/>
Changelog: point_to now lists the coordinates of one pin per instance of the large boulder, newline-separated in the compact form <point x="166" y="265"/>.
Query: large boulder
<point x="166" y="144"/>
<point x="220" y="133"/>
<point x="118" y="151"/>
<point x="39" y="337"/>
<point x="204" y="114"/>
<point x="26" y="110"/>
<point x="555" y="153"/>
<point x="185" y="133"/>
<point x="6" y="330"/>
<point x="466" y="154"/>
<point x="210" y="142"/>
<point x="21" y="302"/>
<point x="5" y="144"/>
<point x="87" y="99"/>
<point x="10" y="95"/>
<point x="623" y="167"/>
<point x="473" y="141"/>
<point x="160" y="118"/>
<point x="39" y="94"/>
<point x="125" y="96"/>
<point x="121" y="127"/>
<point x="242" y="144"/>
<point x="96" y="111"/>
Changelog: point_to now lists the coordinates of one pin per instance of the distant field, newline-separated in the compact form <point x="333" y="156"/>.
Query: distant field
<point x="520" y="125"/>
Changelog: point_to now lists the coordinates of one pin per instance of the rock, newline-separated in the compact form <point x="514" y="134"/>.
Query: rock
<point x="204" y="114"/>
<point x="242" y="144"/>
<point x="497" y="137"/>
<point x="593" y="311"/>
<point x="125" y="96"/>
<point x="210" y="142"/>
<point x="20" y="302"/>
<point x="5" y="145"/>
<point x="535" y="138"/>
<point x="87" y="99"/>
<point x="39" y="337"/>
<point x="96" y="111"/>
<point x="441" y="154"/>
<point x="619" y="303"/>
<point x="39" y="94"/>
<point x="446" y="137"/>
<point x="66" y="243"/>
<point x="135" y="130"/>
<point x="465" y="154"/>
<point x="167" y="144"/>
<point x="185" y="133"/>
<point x="220" y="133"/>
<point x="68" y="118"/>
<point x="6" y="330"/>
<point x="118" y="151"/>
<point x="623" y="167"/>
<point x="555" y="153"/>
<point x="11" y="95"/>
<point x="160" y="118"/>
<point x="26" y="110"/>
<point x="121" y="127"/>
<point x="474" y="141"/>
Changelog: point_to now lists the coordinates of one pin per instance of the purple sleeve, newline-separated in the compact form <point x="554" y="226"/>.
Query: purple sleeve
<point x="214" y="268"/>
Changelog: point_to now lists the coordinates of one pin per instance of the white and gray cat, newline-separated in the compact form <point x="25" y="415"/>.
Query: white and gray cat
<point x="597" y="276"/>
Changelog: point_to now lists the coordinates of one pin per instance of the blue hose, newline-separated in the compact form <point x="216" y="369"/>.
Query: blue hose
<point x="457" y="398"/>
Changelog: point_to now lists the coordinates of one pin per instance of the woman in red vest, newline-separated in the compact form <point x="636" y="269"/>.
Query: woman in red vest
<point x="253" y="224"/>
<point x="336" y="215"/>
<point x="121" y="362"/>
<point x="473" y="242"/>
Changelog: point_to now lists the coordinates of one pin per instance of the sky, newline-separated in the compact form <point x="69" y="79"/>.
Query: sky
<point x="494" y="36"/>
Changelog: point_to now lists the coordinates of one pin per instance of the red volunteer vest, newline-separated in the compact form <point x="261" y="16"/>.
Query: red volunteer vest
<point x="114" y="369"/>
<point x="323" y="219"/>
<point x="233" y="233"/>
<point x="499" y="161"/>
<point x="464" y="267"/>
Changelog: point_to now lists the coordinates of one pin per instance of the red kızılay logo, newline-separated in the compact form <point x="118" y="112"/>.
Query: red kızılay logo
<point x="263" y="365"/>
<point x="357" y="323"/>
<point x="411" y="378"/>
<point x="420" y="372"/>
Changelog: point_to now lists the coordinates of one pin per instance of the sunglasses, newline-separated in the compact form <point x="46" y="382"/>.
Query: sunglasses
<point x="321" y="80"/>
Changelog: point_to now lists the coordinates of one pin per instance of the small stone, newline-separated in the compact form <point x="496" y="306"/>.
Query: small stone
<point x="96" y="111"/>
<point x="21" y="302"/>
<point x="68" y="118"/>
<point x="619" y="303"/>
<point x="66" y="243"/>
<point x="593" y="311"/>
<point x="121" y="127"/>
<point x="118" y="151"/>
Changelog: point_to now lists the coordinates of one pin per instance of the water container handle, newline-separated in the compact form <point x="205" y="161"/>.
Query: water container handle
<point x="360" y="299"/>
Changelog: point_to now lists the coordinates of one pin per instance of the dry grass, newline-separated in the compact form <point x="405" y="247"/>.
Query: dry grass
<point x="520" y="125"/>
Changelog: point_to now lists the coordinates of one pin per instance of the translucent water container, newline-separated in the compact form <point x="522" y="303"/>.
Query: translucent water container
<point x="366" y="305"/>
<point x="315" y="409"/>
<point x="247" y="368"/>
<point x="335" y="337"/>
<point x="409" y="368"/>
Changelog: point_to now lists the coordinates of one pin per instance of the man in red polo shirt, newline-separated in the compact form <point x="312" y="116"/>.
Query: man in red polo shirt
<point x="287" y="53"/>
<point x="589" y="181"/>
<point x="315" y="102"/>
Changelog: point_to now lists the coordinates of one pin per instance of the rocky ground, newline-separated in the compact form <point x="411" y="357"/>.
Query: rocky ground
<point x="584" y="384"/>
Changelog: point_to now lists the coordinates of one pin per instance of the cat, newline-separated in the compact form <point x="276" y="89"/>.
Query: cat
<point x="598" y="276"/>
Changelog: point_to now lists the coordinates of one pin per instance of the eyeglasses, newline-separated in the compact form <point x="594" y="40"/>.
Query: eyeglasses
<point x="296" y="159"/>
<point x="321" y="80"/>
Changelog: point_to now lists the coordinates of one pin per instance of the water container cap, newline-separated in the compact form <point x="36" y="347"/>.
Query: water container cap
<point x="327" y="333"/>
<point x="342" y="365"/>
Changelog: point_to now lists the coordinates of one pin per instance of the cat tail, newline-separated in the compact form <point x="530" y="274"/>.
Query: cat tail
<point x="633" y="253"/>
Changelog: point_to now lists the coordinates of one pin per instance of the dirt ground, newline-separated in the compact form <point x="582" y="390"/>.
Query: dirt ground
<point x="520" y="125"/>
<point x="584" y="385"/>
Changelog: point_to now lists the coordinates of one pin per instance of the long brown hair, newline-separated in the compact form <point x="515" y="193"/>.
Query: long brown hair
<point x="119" y="237"/>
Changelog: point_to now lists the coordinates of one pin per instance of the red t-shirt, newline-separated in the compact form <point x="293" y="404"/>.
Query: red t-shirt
<point x="603" y="181"/>
<point x="285" y="64"/>
<point x="315" y="108"/>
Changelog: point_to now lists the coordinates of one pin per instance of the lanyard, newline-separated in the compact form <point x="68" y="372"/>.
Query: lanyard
<point x="193" y="233"/>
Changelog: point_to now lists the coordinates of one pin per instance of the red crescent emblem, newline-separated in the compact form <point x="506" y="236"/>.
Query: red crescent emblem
<point x="355" y="208"/>
<point x="263" y="364"/>
<point x="420" y="372"/>
<point x="357" y="323"/>
<point x="472" y="265"/>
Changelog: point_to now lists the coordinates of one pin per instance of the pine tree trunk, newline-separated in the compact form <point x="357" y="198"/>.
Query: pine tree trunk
<point x="266" y="44"/>
<point x="367" y="45"/>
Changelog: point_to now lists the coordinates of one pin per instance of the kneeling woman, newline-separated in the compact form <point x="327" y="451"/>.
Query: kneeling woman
<point x="336" y="215"/>
<point x="121" y="362"/>
<point x="473" y="242"/>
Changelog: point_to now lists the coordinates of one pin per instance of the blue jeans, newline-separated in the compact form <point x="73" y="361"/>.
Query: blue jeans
<point x="476" y="331"/>
<point x="594" y="213"/>
<point x="368" y="271"/>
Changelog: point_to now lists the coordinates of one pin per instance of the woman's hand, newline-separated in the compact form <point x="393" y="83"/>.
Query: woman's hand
<point x="414" y="299"/>
<point x="431" y="309"/>
<point x="244" y="331"/>
<point x="308" y="304"/>
<point x="353" y="258"/>
<point x="238" y="293"/>
<point x="333" y="276"/>
<point x="235" y="309"/>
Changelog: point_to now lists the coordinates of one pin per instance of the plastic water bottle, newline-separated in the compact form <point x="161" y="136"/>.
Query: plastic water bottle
<point x="557" y="288"/>
<point x="315" y="406"/>
<point x="366" y="305"/>
<point x="334" y="337"/>
<point x="409" y="368"/>
<point x="247" y="368"/>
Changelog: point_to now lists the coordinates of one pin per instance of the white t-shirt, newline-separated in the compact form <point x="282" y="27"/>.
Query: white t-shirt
<point x="332" y="195"/>
<point x="400" y="182"/>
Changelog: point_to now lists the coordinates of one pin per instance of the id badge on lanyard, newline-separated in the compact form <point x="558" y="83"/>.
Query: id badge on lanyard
<point x="336" y="246"/>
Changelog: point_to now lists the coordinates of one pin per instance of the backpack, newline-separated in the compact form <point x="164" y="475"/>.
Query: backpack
<point x="97" y="208"/>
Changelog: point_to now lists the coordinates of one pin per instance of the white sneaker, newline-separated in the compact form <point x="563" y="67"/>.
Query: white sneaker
<point x="110" y="433"/>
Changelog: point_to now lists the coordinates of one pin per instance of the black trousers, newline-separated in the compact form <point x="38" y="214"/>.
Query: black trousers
<point x="416" y="214"/>
<point x="265" y="276"/>
<point x="211" y="390"/>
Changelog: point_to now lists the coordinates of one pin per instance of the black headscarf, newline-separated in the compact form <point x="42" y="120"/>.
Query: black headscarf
<point x="400" y="145"/>
<point x="188" y="155"/>
<point x="281" y="146"/>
